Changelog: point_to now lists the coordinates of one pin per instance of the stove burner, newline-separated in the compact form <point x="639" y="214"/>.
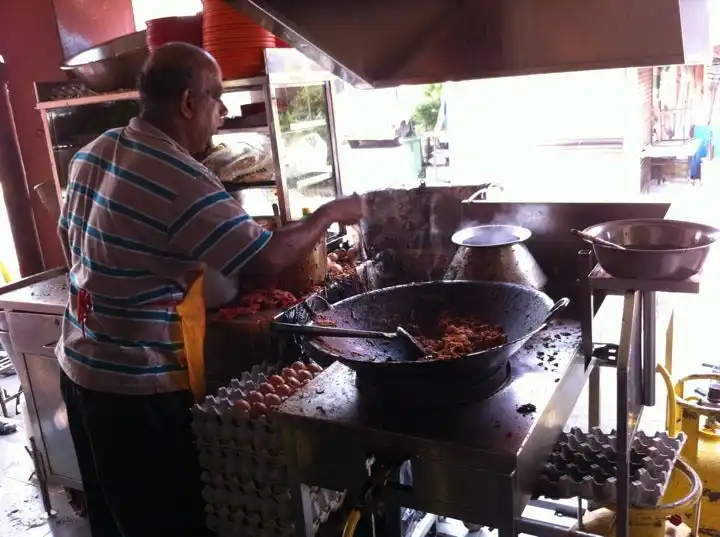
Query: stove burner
<point x="444" y="393"/>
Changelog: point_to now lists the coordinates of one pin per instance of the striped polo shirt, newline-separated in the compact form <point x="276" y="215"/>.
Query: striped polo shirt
<point x="142" y="218"/>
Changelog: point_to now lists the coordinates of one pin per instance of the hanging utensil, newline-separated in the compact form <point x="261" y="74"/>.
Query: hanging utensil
<point x="596" y="240"/>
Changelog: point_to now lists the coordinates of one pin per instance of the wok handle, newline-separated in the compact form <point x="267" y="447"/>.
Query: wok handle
<point x="556" y="310"/>
<point x="327" y="331"/>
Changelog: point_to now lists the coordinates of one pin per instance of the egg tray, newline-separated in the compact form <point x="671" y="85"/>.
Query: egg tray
<point x="276" y="520"/>
<point x="245" y="474"/>
<point x="585" y="465"/>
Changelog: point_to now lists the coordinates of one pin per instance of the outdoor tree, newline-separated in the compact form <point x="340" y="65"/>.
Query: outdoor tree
<point x="426" y="113"/>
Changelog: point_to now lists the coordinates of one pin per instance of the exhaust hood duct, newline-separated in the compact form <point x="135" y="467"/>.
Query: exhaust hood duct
<point x="382" y="43"/>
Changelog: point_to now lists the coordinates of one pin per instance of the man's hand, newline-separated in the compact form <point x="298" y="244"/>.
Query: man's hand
<point x="346" y="211"/>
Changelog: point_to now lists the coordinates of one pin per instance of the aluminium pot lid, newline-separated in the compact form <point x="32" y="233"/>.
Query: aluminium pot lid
<point x="491" y="236"/>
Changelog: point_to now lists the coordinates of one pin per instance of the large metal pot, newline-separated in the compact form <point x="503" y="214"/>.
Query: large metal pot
<point x="495" y="253"/>
<point x="112" y="65"/>
<point x="656" y="249"/>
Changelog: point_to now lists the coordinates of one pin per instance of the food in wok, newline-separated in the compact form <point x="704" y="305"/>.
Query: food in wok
<point x="455" y="336"/>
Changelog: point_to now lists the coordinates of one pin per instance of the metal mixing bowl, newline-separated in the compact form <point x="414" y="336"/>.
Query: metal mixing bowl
<point x="112" y="65"/>
<point x="657" y="249"/>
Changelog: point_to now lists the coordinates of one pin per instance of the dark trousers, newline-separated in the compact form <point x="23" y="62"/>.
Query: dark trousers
<point x="138" y="463"/>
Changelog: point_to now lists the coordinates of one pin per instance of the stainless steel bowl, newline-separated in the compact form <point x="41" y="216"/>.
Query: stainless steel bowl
<point x="112" y="65"/>
<point x="657" y="249"/>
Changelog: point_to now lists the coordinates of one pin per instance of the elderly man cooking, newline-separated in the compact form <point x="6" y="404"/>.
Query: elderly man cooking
<point x="141" y="220"/>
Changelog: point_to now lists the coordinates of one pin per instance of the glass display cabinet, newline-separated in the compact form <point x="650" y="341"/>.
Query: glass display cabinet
<point x="288" y="109"/>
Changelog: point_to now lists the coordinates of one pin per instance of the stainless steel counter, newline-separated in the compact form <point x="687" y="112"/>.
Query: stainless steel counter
<point x="46" y="292"/>
<point x="31" y="312"/>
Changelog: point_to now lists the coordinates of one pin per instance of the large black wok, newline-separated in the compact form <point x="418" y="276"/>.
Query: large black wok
<point x="521" y="311"/>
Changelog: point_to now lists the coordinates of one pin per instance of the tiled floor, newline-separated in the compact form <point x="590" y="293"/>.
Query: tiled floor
<point x="21" y="510"/>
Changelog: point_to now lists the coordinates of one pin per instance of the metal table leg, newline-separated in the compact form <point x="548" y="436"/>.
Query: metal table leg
<point x="629" y="402"/>
<point x="300" y="493"/>
<point x="42" y="478"/>
<point x="649" y="320"/>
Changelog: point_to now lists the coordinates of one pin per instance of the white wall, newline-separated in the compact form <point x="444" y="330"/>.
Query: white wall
<point x="495" y="127"/>
<point x="145" y="10"/>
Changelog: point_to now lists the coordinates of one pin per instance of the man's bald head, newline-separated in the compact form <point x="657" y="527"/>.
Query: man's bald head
<point x="170" y="71"/>
<point x="180" y="93"/>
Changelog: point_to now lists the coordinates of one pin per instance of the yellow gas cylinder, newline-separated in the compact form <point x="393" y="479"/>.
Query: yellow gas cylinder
<point x="699" y="419"/>
<point x="661" y="521"/>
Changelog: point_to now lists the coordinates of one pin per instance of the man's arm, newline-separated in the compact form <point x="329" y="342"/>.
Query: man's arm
<point x="292" y="244"/>
<point x="212" y="228"/>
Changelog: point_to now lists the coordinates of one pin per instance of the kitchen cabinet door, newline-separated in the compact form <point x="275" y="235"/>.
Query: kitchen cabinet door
<point x="56" y="443"/>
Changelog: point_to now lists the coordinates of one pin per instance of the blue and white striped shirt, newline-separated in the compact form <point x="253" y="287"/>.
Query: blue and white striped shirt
<point x="142" y="215"/>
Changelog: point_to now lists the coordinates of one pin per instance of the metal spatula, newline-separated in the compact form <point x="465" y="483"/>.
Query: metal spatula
<point x="415" y="349"/>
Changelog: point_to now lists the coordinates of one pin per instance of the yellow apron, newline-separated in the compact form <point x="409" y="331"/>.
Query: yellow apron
<point x="192" y="322"/>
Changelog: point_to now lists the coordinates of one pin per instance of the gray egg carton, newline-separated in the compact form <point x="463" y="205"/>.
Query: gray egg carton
<point x="245" y="475"/>
<point x="585" y="465"/>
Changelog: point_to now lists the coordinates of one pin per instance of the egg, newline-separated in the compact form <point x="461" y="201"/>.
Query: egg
<point x="298" y="366"/>
<point x="335" y="268"/>
<point x="293" y="382"/>
<point x="266" y="388"/>
<point x="314" y="368"/>
<point x="288" y="372"/>
<point x="255" y="397"/>
<point x="258" y="409"/>
<point x="304" y="376"/>
<point x="351" y="254"/>
<point x="242" y="408"/>
<point x="333" y="257"/>
<point x="276" y="380"/>
<point x="272" y="400"/>
<point x="284" y="390"/>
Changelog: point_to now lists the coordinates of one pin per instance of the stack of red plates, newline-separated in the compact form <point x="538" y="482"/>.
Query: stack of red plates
<point x="235" y="40"/>
<point x="174" y="29"/>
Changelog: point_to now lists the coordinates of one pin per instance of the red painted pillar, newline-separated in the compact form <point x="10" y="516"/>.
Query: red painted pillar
<point x="14" y="186"/>
<point x="30" y="43"/>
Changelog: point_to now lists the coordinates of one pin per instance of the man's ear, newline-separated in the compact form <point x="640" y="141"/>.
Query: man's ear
<point x="187" y="104"/>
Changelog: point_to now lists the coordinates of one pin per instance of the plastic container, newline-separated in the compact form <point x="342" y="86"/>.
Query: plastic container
<point x="415" y="157"/>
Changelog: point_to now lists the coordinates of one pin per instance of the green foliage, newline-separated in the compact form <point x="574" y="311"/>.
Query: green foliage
<point x="426" y="113"/>
<point x="308" y="104"/>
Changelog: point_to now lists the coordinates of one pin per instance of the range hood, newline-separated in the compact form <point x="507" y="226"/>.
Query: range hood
<point x="382" y="43"/>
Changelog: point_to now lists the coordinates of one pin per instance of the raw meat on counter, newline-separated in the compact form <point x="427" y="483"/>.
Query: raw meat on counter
<point x="255" y="301"/>
<point x="341" y="267"/>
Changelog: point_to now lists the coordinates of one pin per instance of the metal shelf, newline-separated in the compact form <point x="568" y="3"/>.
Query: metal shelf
<point x="234" y="187"/>
<point x="601" y="280"/>
<point x="262" y="128"/>
<point x="257" y="82"/>
<point x="93" y="99"/>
